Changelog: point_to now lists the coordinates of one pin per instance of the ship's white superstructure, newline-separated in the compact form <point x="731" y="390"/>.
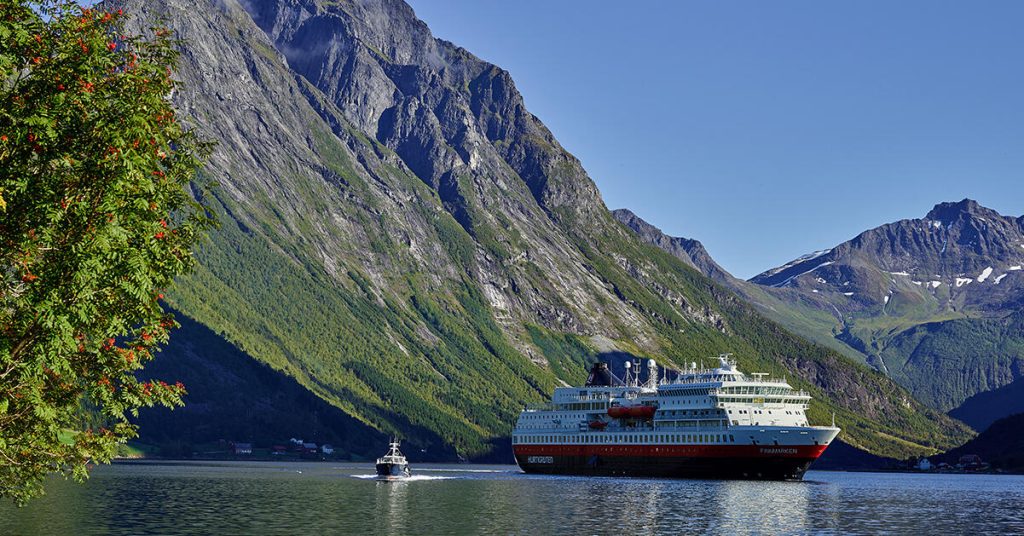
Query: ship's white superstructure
<point x="697" y="418"/>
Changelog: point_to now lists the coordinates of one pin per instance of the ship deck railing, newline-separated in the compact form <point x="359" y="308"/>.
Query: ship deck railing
<point x="724" y="378"/>
<point x="752" y="391"/>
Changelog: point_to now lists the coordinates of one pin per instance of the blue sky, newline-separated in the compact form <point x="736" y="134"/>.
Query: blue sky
<point x="768" y="129"/>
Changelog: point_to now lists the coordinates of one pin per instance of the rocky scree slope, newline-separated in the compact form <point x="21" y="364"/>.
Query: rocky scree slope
<point x="407" y="241"/>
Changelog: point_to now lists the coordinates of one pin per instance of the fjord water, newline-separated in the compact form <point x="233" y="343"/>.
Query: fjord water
<point x="325" y="498"/>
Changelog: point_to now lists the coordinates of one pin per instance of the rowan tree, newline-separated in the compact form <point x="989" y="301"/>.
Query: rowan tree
<point x="98" y="215"/>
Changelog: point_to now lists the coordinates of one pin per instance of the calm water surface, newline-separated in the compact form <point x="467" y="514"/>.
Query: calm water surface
<point x="323" y="498"/>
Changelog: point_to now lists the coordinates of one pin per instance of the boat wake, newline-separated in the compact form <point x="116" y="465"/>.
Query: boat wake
<point x="413" y="478"/>
<point x="466" y="470"/>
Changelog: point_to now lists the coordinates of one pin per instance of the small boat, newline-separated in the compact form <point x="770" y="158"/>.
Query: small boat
<point x="393" y="466"/>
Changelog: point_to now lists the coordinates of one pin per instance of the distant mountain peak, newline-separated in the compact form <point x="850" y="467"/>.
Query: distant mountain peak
<point x="688" y="250"/>
<point x="952" y="211"/>
<point x="955" y="243"/>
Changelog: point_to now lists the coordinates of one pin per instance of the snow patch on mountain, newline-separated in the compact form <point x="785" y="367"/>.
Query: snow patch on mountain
<point x="798" y="260"/>
<point x="790" y="278"/>
<point x="984" y="274"/>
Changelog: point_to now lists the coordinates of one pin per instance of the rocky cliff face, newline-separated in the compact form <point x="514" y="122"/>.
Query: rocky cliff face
<point x="413" y="246"/>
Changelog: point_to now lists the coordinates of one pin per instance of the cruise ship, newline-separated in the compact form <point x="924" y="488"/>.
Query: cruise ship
<point x="694" y="423"/>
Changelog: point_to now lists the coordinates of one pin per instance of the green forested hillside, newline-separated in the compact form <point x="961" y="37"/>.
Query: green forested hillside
<point x="1001" y="445"/>
<point x="944" y="363"/>
<point x="982" y="409"/>
<point x="233" y="397"/>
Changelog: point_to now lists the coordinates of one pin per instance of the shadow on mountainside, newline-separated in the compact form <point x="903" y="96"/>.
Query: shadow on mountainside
<point x="233" y="397"/>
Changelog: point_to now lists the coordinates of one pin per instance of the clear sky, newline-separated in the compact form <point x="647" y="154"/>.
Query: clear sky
<point x="768" y="129"/>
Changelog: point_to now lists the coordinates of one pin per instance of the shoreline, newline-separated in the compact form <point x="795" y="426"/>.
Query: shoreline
<point x="203" y="461"/>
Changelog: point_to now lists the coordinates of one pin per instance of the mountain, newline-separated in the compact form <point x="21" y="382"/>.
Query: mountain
<point x="982" y="409"/>
<point x="235" y="397"/>
<point x="933" y="302"/>
<point x="688" y="250"/>
<point x="402" y="238"/>
<point x="786" y="306"/>
<point x="1001" y="445"/>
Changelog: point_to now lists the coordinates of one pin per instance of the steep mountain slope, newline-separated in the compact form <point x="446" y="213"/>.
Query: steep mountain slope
<point x="236" y="398"/>
<point x="925" y="300"/>
<point x="1001" y="445"/>
<point x="807" y="317"/>
<point x="982" y="409"/>
<point x="944" y="363"/>
<point x="688" y="250"/>
<point x="408" y="242"/>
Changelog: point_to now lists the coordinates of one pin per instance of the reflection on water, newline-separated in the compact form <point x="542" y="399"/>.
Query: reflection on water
<point x="764" y="507"/>
<point x="256" y="498"/>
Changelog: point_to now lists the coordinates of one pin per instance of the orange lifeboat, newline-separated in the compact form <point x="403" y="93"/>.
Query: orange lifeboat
<point x="642" y="412"/>
<point x="618" y="412"/>
<point x="598" y="425"/>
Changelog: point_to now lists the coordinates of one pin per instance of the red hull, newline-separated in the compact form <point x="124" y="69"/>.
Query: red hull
<point x="704" y="451"/>
<point x="769" y="462"/>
